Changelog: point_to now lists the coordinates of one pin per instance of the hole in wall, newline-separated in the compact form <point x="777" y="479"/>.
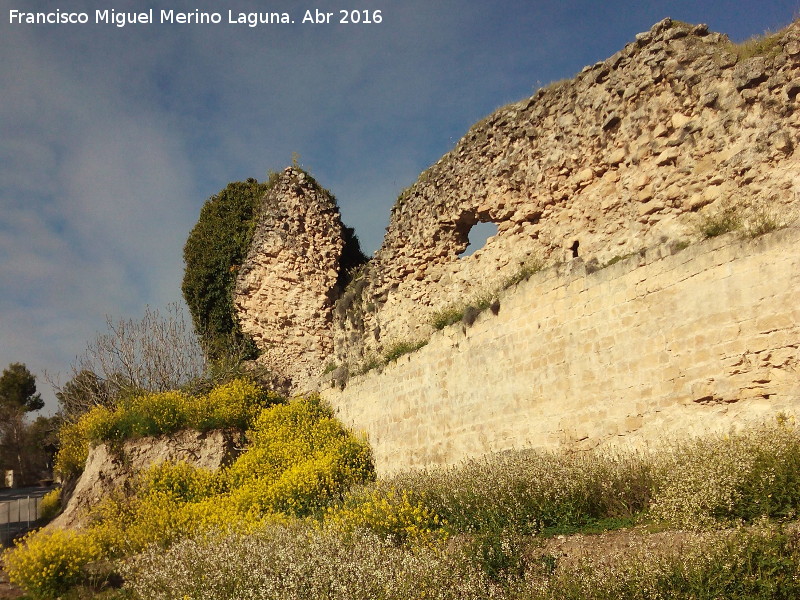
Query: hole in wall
<point x="478" y="234"/>
<point x="574" y="248"/>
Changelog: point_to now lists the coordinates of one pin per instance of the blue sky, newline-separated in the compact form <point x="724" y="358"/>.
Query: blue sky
<point x="112" y="138"/>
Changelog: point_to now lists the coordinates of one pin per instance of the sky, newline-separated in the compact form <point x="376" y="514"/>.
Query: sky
<point x="112" y="138"/>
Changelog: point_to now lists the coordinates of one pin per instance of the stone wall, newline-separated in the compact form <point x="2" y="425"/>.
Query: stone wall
<point x="631" y="153"/>
<point x="625" y="161"/>
<point x="286" y="287"/>
<point x="665" y="343"/>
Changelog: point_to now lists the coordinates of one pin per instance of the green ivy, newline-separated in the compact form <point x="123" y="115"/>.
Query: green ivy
<point x="216" y="247"/>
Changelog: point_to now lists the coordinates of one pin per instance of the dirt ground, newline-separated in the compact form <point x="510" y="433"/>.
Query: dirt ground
<point x="8" y="591"/>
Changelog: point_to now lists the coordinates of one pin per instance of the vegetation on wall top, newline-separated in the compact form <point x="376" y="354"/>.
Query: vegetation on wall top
<point x="216" y="247"/>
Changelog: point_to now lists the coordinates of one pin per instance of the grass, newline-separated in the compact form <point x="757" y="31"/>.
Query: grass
<point x="752" y="221"/>
<point x="718" y="223"/>
<point x="391" y="354"/>
<point x="681" y="245"/>
<point x="762" y="220"/>
<point x="447" y="316"/>
<point x="591" y="528"/>
<point x="756" y="562"/>
<point x="468" y="310"/>
<point x="594" y="265"/>
<point x="401" y="348"/>
<point x="616" y="259"/>
<point x="370" y="363"/>
<point x="734" y="497"/>
<point x="329" y="368"/>
<point x="527" y="269"/>
<point x="765" y="44"/>
<point x="465" y="312"/>
<point x="723" y="510"/>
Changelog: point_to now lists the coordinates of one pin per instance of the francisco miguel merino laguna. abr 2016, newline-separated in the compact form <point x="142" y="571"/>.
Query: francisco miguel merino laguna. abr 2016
<point x="123" y="18"/>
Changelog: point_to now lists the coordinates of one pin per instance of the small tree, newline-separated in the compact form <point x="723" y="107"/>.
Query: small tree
<point x="160" y="352"/>
<point x="81" y="393"/>
<point x="18" y="389"/>
<point x="18" y="397"/>
<point x="40" y="444"/>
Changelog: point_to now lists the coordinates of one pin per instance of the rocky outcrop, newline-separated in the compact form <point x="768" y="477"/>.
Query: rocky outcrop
<point x="109" y="469"/>
<point x="631" y="153"/>
<point x="286" y="288"/>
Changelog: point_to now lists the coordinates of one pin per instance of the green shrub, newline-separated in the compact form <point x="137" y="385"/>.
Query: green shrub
<point x="51" y="504"/>
<point x="724" y="480"/>
<point x="215" y="250"/>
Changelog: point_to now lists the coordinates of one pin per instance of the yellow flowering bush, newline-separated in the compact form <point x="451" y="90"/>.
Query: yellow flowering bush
<point x="47" y="563"/>
<point x="180" y="480"/>
<point x="396" y="516"/>
<point x="73" y="450"/>
<point x="150" y="414"/>
<point x="51" y="504"/>
<point x="318" y="461"/>
<point x="97" y="424"/>
<point x="299" y="459"/>
<point x="125" y="526"/>
<point x="235" y="404"/>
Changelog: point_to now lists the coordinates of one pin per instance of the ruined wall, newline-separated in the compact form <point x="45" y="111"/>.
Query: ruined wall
<point x="627" y="155"/>
<point x="626" y="160"/>
<point x="669" y="343"/>
<point x="287" y="285"/>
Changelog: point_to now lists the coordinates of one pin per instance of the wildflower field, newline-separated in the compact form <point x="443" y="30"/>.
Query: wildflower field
<point x="300" y="515"/>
